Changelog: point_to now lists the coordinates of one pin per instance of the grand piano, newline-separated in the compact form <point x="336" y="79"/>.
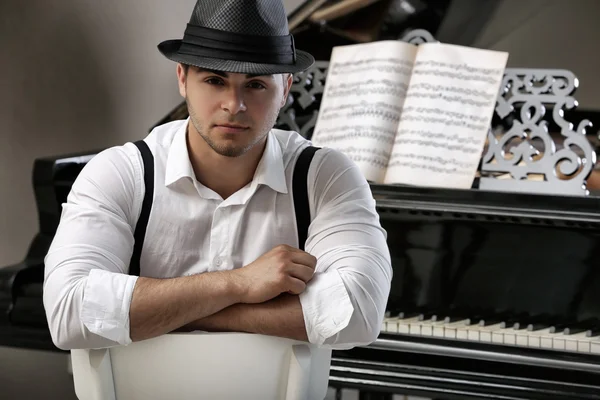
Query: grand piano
<point x="495" y="294"/>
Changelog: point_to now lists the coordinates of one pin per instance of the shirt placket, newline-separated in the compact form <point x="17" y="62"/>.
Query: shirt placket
<point x="219" y="238"/>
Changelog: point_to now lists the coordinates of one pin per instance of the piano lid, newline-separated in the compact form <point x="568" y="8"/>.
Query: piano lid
<point x="488" y="205"/>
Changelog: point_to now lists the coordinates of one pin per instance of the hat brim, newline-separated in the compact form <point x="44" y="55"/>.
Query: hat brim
<point x="170" y="49"/>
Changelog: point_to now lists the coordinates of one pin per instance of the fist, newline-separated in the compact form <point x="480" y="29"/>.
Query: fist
<point x="283" y="269"/>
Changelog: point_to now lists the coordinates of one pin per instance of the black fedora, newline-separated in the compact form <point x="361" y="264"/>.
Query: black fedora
<point x="240" y="36"/>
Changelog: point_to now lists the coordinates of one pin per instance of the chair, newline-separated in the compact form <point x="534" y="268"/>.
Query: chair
<point x="198" y="365"/>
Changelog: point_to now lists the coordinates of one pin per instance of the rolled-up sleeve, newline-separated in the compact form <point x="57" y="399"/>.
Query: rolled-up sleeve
<point x="87" y="292"/>
<point x="344" y="304"/>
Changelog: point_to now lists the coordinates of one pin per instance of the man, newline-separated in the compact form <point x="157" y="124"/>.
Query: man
<point x="221" y="250"/>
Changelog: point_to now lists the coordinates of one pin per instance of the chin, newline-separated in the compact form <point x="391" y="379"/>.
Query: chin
<point x="230" y="151"/>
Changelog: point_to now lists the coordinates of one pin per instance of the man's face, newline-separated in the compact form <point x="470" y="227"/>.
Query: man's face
<point x="232" y="112"/>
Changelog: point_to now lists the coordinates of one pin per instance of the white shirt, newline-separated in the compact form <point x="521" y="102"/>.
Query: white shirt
<point x="191" y="229"/>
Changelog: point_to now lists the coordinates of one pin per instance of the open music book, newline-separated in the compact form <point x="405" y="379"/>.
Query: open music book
<point x="409" y="114"/>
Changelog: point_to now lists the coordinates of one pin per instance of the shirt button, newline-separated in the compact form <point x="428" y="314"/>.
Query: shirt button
<point x="218" y="261"/>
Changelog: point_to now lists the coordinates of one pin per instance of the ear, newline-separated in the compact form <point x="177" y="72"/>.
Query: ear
<point x="287" y="85"/>
<point x="181" y="79"/>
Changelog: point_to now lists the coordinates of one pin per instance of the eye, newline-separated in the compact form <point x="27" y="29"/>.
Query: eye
<point x="256" y="85"/>
<point x="214" y="81"/>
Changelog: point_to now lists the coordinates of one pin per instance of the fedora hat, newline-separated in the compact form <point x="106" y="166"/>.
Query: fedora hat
<point x="240" y="36"/>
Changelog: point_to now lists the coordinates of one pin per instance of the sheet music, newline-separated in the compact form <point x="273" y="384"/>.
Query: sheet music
<point x="447" y="113"/>
<point x="360" y="110"/>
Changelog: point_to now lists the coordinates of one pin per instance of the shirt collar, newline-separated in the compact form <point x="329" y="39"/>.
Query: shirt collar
<point x="178" y="160"/>
<point x="270" y="170"/>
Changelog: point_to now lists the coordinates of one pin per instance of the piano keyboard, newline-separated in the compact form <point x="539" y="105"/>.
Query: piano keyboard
<point x="579" y="337"/>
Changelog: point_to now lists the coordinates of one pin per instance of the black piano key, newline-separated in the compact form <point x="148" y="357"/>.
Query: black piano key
<point x="560" y="327"/>
<point x="537" y="326"/>
<point x="539" y="322"/>
<point x="494" y="318"/>
<point x="456" y="314"/>
<point x="486" y="318"/>
<point x="590" y="325"/>
<point x="429" y="314"/>
<point x="408" y="314"/>
<point x="516" y="320"/>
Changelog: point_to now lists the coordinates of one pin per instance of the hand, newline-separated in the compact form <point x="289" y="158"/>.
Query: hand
<point x="282" y="269"/>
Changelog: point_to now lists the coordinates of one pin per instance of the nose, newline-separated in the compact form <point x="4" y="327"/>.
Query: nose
<point x="233" y="101"/>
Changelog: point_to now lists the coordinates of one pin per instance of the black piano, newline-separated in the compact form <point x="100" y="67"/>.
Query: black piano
<point x="22" y="317"/>
<point x="494" y="295"/>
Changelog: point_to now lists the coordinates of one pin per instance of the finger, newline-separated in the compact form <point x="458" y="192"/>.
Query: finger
<point x="301" y="272"/>
<point x="295" y="286"/>
<point x="304" y="258"/>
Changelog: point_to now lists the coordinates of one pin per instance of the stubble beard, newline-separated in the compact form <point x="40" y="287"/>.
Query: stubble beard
<point x="228" y="151"/>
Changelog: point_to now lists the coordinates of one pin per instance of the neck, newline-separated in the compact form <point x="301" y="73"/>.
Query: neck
<point x="224" y="175"/>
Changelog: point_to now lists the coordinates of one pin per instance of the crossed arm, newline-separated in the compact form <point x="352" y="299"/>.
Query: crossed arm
<point x="281" y="316"/>
<point x="252" y="299"/>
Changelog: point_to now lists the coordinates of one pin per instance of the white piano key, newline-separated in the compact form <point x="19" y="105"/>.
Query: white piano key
<point x="558" y="341"/>
<point x="473" y="335"/>
<point x="438" y="330"/>
<point x="427" y="329"/>
<point x="462" y="332"/>
<point x="498" y="336"/>
<point x="522" y="337"/>
<point x="537" y="338"/>
<point x="392" y="325"/>
<point x="485" y="332"/>
<point x="450" y="329"/>
<point x="584" y="345"/>
<point x="404" y="324"/>
<point x="415" y="327"/>
<point x="595" y="345"/>
<point x="510" y="337"/>
<point x="423" y="327"/>
<point x="572" y="341"/>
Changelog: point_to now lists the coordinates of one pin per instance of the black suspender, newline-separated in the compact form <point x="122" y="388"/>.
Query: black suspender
<point x="140" y="227"/>
<point x="299" y="190"/>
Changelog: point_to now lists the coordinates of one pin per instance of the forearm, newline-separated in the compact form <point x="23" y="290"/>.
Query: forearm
<point x="281" y="317"/>
<point x="159" y="306"/>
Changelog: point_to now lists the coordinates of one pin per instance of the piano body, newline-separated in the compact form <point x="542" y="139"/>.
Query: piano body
<point x="495" y="294"/>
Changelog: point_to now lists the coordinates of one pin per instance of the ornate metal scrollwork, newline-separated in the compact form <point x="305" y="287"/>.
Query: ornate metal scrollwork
<point x="302" y="108"/>
<point x="527" y="148"/>
<point x="418" y="36"/>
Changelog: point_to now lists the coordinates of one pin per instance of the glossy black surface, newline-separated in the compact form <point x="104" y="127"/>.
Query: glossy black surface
<point x="439" y="377"/>
<point x="22" y="317"/>
<point x="524" y="259"/>
<point x="475" y="266"/>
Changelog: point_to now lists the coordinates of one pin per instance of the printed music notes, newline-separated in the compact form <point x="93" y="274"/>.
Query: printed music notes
<point x="362" y="103"/>
<point x="446" y="117"/>
<point x="410" y="114"/>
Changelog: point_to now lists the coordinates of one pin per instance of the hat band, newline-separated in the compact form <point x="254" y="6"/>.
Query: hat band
<point x="207" y="42"/>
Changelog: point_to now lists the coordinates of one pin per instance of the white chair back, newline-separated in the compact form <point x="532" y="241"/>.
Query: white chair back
<point x="203" y="366"/>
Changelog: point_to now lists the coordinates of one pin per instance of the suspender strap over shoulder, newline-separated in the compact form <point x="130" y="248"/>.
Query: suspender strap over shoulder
<point x="140" y="227"/>
<point x="299" y="188"/>
<point x="300" y="191"/>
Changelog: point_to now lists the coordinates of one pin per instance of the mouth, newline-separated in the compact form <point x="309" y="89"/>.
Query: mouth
<point x="232" y="127"/>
